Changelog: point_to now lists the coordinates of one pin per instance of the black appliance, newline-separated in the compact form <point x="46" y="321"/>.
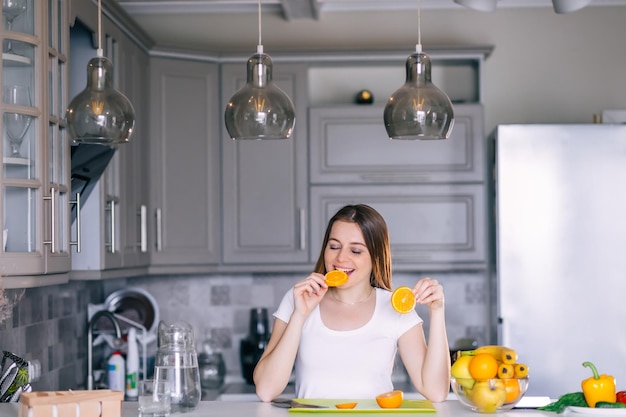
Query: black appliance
<point x="253" y="346"/>
<point x="88" y="163"/>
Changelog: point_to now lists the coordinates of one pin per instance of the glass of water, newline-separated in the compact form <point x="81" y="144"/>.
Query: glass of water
<point x="154" y="398"/>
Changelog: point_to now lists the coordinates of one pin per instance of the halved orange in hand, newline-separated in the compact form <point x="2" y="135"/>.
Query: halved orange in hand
<point x="336" y="278"/>
<point x="346" y="405"/>
<point x="403" y="300"/>
<point x="391" y="399"/>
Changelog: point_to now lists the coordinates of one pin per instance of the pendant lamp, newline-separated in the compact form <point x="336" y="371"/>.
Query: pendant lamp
<point x="259" y="110"/>
<point x="560" y="6"/>
<point x="567" y="6"/>
<point x="100" y="114"/>
<point x="418" y="109"/>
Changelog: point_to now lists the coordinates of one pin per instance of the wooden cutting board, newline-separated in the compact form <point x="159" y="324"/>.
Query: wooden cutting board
<point x="363" y="406"/>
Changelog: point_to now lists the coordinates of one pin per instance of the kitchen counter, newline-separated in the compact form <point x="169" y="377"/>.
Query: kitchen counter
<point x="450" y="408"/>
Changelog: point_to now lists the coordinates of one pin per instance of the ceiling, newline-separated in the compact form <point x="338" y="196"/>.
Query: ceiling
<point x="233" y="25"/>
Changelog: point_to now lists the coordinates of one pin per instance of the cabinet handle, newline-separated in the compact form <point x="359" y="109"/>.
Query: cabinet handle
<point x="143" y="228"/>
<point x="78" y="226"/>
<point x="53" y="229"/>
<point x="302" y="229"/>
<point x="111" y="210"/>
<point x="159" y="242"/>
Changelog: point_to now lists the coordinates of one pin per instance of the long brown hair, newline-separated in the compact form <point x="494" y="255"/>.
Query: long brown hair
<point x="376" y="237"/>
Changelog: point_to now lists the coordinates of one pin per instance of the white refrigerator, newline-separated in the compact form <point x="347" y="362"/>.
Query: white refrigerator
<point x="560" y="226"/>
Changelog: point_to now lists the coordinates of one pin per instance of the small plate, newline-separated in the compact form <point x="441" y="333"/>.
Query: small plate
<point x="596" y="411"/>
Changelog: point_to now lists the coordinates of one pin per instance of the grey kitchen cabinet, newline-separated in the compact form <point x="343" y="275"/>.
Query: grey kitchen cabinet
<point x="133" y="67"/>
<point x="264" y="183"/>
<point x="431" y="193"/>
<point x="114" y="217"/>
<point x="349" y="144"/>
<point x="431" y="226"/>
<point x="34" y="177"/>
<point x="184" y="165"/>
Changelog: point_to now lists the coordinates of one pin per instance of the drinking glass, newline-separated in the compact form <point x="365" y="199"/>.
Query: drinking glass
<point x="16" y="124"/>
<point x="10" y="10"/>
<point x="154" y="398"/>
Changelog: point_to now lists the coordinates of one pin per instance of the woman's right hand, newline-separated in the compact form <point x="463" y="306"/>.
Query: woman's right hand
<point x="308" y="293"/>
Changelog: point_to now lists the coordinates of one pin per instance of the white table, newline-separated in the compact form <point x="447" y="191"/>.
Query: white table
<point x="450" y="408"/>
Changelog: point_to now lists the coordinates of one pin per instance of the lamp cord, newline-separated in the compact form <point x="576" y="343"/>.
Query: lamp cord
<point x="418" y="47"/>
<point x="99" y="52"/>
<point x="260" y="45"/>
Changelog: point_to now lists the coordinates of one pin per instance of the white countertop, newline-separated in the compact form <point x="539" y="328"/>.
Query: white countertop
<point x="450" y="408"/>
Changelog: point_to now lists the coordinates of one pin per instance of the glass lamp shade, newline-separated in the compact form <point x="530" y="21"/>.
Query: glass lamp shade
<point x="567" y="6"/>
<point x="260" y="110"/>
<point x="100" y="114"/>
<point x="418" y="109"/>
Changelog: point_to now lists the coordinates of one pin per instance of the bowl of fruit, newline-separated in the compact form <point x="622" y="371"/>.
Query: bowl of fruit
<point x="489" y="379"/>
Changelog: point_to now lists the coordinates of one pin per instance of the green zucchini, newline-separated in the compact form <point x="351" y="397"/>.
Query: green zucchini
<point x="606" y="404"/>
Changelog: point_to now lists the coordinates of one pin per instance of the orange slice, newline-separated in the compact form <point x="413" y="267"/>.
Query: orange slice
<point x="346" y="405"/>
<point x="336" y="278"/>
<point x="403" y="300"/>
<point x="391" y="399"/>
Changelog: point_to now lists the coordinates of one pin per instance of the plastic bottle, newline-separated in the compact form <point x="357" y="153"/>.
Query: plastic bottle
<point x="116" y="372"/>
<point x="132" y="364"/>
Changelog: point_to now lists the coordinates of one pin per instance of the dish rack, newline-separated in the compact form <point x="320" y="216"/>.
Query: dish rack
<point x="144" y="337"/>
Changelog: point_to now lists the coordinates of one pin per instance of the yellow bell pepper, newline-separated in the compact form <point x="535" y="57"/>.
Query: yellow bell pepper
<point x="598" y="387"/>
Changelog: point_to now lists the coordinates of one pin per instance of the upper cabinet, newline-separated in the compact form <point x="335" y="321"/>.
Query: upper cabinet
<point x="184" y="165"/>
<point x="264" y="183"/>
<point x="114" y="218"/>
<point x="34" y="179"/>
<point x="432" y="194"/>
<point x="349" y="145"/>
<point x="133" y="67"/>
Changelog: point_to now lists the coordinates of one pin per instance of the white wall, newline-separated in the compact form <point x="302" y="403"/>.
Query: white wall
<point x="545" y="68"/>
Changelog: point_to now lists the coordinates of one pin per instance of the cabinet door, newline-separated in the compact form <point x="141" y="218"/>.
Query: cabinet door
<point x="133" y="73"/>
<point x="349" y="144"/>
<point x="34" y="179"/>
<point x="431" y="227"/>
<point x="184" y="158"/>
<point x="264" y="184"/>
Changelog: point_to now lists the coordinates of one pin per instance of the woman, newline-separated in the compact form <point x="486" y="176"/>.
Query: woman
<point x="343" y="340"/>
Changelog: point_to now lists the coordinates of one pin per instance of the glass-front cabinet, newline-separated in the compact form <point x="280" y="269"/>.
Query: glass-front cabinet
<point x="35" y="188"/>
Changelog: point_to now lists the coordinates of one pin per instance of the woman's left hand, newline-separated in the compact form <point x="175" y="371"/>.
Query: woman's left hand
<point x="428" y="291"/>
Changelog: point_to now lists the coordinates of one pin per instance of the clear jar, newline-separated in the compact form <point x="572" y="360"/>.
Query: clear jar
<point x="177" y="363"/>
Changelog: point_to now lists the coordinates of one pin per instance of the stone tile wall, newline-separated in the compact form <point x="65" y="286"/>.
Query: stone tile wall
<point x="50" y="323"/>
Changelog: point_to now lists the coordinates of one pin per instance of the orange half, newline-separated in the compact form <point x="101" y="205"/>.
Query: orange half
<point x="403" y="300"/>
<point x="346" y="405"/>
<point x="391" y="399"/>
<point x="336" y="278"/>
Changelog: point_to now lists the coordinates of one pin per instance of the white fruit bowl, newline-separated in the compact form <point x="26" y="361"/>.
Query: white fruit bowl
<point x="487" y="396"/>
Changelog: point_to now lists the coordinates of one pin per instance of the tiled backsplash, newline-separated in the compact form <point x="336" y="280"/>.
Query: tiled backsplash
<point x="50" y="323"/>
